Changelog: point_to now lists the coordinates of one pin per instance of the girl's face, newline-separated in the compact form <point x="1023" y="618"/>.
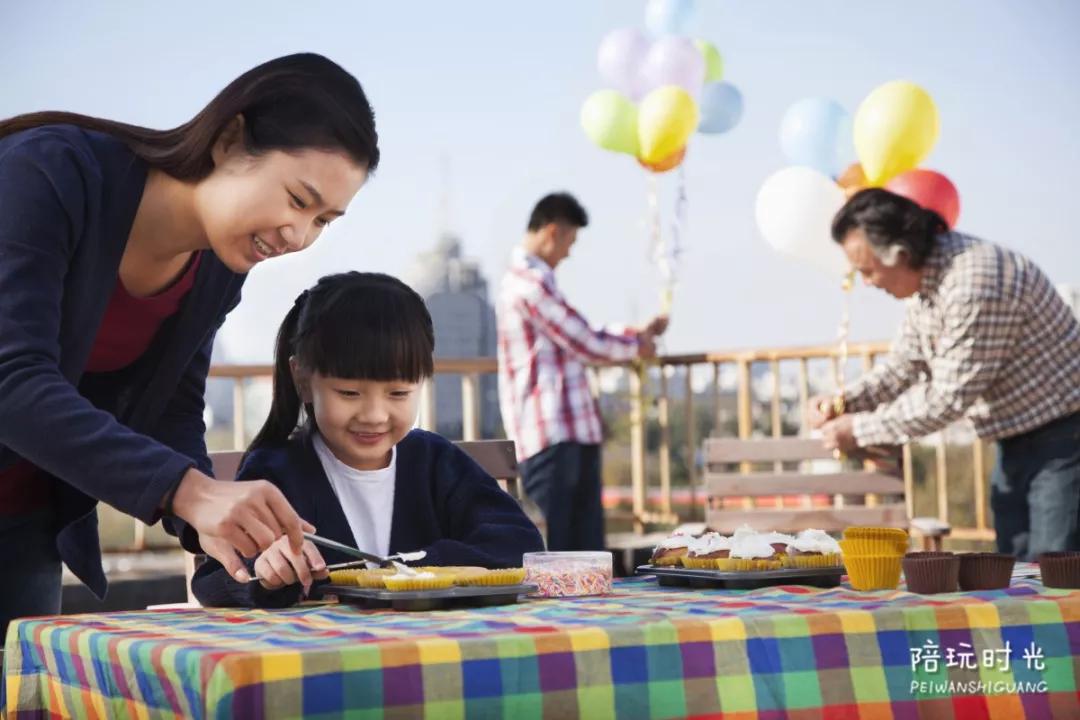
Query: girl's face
<point x="256" y="207"/>
<point x="360" y="420"/>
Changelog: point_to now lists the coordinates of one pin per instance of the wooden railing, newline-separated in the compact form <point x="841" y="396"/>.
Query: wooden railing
<point x="652" y="410"/>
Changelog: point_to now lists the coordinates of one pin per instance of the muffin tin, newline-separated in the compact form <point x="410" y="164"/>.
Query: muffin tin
<point x="416" y="600"/>
<point x="686" y="577"/>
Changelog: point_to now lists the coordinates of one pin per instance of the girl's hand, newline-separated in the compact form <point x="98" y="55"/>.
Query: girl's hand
<point x="280" y="566"/>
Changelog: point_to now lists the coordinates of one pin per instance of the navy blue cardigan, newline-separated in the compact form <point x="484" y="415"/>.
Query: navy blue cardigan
<point x="68" y="198"/>
<point x="444" y="504"/>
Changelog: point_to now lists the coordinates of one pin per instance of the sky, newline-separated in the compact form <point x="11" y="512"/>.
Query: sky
<point x="493" y="90"/>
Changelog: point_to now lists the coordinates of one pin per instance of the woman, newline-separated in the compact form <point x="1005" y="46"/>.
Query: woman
<point x="121" y="251"/>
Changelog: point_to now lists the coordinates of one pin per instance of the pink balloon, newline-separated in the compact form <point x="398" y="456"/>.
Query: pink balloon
<point x="619" y="60"/>
<point x="931" y="190"/>
<point x="674" y="60"/>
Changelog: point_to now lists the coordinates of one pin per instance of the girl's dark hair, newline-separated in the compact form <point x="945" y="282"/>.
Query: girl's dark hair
<point x="360" y="326"/>
<point x="291" y="103"/>
<point x="890" y="221"/>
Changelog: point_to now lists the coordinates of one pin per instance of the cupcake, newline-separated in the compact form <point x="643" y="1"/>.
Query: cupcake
<point x="709" y="552"/>
<point x="985" y="571"/>
<point x="418" y="581"/>
<point x="812" y="549"/>
<point x="779" y="541"/>
<point x="1060" y="569"/>
<point x="753" y="552"/>
<point x="483" y="576"/>
<point x="928" y="573"/>
<point x="672" y="549"/>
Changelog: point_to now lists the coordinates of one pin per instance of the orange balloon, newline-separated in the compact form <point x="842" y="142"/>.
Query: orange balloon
<point x="671" y="162"/>
<point x="852" y="180"/>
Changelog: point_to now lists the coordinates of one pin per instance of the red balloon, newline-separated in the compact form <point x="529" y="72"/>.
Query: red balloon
<point x="931" y="190"/>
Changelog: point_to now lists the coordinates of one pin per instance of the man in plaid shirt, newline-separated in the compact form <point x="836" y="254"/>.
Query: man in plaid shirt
<point x="547" y="407"/>
<point x="985" y="337"/>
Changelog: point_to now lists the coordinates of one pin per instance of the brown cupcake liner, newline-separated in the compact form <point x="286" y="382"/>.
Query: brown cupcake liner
<point x="985" y="571"/>
<point x="1060" y="569"/>
<point x="931" y="573"/>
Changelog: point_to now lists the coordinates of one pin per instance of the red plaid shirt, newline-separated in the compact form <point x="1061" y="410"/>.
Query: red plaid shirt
<point x="544" y="345"/>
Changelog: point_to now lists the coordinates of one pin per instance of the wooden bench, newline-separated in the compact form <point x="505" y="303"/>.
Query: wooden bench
<point x="862" y="495"/>
<point x="498" y="458"/>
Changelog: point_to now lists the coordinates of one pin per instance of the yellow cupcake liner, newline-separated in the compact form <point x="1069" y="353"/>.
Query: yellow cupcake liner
<point x="812" y="561"/>
<point x="873" y="572"/>
<point x="344" y="577"/>
<point x="509" y="576"/>
<point x="439" y="582"/>
<point x="865" y="546"/>
<point x="864" y="532"/>
<point x="669" y="561"/>
<point x="696" y="563"/>
<point x="754" y="564"/>
<point x="373" y="579"/>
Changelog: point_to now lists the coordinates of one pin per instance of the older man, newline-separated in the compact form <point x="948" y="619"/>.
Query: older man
<point x="985" y="337"/>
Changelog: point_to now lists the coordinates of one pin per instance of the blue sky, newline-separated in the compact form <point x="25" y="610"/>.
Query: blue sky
<point x="496" y="87"/>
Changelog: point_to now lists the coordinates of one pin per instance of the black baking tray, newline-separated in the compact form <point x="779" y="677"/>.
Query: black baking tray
<point x="747" y="580"/>
<point x="412" y="600"/>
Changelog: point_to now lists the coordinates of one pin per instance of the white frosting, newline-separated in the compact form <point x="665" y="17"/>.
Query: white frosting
<point x="709" y="543"/>
<point x="776" y="537"/>
<point x="412" y="575"/>
<point x="815" y="541"/>
<point x="744" y="531"/>
<point x="675" y="541"/>
<point x="411" y="556"/>
<point x="751" y="546"/>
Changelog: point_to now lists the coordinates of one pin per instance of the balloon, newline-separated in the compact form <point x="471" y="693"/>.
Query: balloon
<point x="895" y="129"/>
<point x="669" y="17"/>
<point x="714" y="63"/>
<point x="667" y="117"/>
<point x="671" y="162"/>
<point x="852" y="180"/>
<point x="673" y="61"/>
<point x="721" y="108"/>
<point x="931" y="190"/>
<point x="610" y="121"/>
<point x="794" y="211"/>
<point x="816" y="132"/>
<point x="619" y="60"/>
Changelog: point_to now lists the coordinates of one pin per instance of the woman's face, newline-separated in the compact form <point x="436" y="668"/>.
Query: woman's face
<point x="257" y="207"/>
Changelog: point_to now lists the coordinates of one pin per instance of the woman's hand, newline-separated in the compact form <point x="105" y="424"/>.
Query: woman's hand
<point x="237" y="517"/>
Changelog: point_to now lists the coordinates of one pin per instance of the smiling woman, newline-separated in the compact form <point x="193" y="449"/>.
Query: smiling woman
<point x="123" y="248"/>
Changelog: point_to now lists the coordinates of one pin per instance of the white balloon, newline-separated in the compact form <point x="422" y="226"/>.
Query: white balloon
<point x="794" y="210"/>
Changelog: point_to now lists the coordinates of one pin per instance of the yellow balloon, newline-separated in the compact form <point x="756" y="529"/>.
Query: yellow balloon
<point x="895" y="129"/>
<point x="714" y="62"/>
<point x="667" y="117"/>
<point x="610" y="121"/>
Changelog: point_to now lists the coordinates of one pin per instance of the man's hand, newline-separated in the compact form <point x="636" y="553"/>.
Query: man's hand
<point x="657" y="326"/>
<point x="839" y="434"/>
<point x="646" y="346"/>
<point x="820" y="410"/>
<point x="237" y="517"/>
<point x="281" y="566"/>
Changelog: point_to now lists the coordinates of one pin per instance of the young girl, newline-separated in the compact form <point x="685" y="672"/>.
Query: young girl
<point x="122" y="248"/>
<point x="352" y="353"/>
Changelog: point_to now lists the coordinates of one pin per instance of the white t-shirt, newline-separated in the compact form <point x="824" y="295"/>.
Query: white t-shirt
<point x="366" y="497"/>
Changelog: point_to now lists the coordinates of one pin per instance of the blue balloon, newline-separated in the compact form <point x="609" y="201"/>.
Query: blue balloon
<point x="669" y="17"/>
<point x="817" y="133"/>
<point x="721" y="107"/>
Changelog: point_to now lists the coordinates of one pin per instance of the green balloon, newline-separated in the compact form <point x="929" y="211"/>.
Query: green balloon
<point x="610" y="121"/>
<point x="714" y="64"/>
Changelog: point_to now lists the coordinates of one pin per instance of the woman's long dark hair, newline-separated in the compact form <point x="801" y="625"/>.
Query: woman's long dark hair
<point x="291" y="103"/>
<point x="360" y="326"/>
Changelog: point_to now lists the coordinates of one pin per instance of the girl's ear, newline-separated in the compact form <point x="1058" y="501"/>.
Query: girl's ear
<point x="301" y="380"/>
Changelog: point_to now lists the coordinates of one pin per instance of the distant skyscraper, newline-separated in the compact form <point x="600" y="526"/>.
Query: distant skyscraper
<point x="457" y="297"/>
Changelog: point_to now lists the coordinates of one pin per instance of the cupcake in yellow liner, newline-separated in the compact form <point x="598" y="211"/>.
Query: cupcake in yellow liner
<point x="873" y="572"/>
<point x="752" y="553"/>
<point x="779" y="541"/>
<point x="813" y="549"/>
<point x="506" y="576"/>
<point x="344" y="577"/>
<point x="419" y="581"/>
<point x="671" y="551"/>
<point x="373" y="579"/>
<point x="707" y="552"/>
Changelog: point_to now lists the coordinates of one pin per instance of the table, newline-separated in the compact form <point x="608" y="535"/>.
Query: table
<point x="645" y="651"/>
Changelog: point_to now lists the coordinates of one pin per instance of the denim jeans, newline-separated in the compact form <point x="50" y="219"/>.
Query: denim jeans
<point x="32" y="578"/>
<point x="1035" y="490"/>
<point x="564" y="480"/>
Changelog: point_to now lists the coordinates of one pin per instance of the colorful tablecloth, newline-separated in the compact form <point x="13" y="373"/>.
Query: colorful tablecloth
<point x="643" y="652"/>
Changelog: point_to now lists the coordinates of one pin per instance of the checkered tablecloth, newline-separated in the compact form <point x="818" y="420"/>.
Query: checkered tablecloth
<point x="644" y="651"/>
